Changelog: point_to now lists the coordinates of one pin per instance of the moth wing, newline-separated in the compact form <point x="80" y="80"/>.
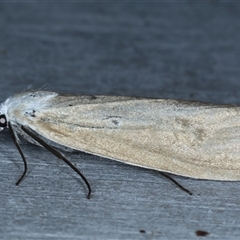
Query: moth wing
<point x="189" y="139"/>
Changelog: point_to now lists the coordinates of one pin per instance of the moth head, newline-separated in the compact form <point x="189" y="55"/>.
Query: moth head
<point x="3" y="117"/>
<point x="3" y="122"/>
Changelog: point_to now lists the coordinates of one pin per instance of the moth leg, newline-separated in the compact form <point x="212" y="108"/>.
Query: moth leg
<point x="14" y="138"/>
<point x="175" y="182"/>
<point x="58" y="155"/>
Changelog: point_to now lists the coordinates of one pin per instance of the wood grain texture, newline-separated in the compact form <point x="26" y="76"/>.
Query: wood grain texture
<point x="180" y="51"/>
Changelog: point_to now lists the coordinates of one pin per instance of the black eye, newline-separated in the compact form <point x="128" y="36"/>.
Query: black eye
<point x="3" y="121"/>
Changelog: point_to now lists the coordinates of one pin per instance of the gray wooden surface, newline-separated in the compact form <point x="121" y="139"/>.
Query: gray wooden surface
<point x="166" y="50"/>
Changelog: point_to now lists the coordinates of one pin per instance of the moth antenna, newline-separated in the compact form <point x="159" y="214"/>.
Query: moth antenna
<point x="176" y="183"/>
<point x="43" y="86"/>
<point x="58" y="154"/>
<point x="30" y="86"/>
<point x="14" y="138"/>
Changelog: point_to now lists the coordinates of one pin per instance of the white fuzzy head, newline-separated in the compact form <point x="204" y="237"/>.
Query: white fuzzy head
<point x="3" y="118"/>
<point x="17" y="105"/>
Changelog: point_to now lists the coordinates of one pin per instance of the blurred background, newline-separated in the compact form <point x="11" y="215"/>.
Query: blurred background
<point x="170" y="50"/>
<point x="180" y="50"/>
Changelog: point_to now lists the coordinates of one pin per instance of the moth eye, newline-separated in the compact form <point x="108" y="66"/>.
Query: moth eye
<point x="3" y="121"/>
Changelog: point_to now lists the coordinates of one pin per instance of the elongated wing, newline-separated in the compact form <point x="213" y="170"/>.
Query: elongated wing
<point x="185" y="138"/>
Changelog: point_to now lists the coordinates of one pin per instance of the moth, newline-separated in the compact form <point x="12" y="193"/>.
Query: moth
<point x="192" y="139"/>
